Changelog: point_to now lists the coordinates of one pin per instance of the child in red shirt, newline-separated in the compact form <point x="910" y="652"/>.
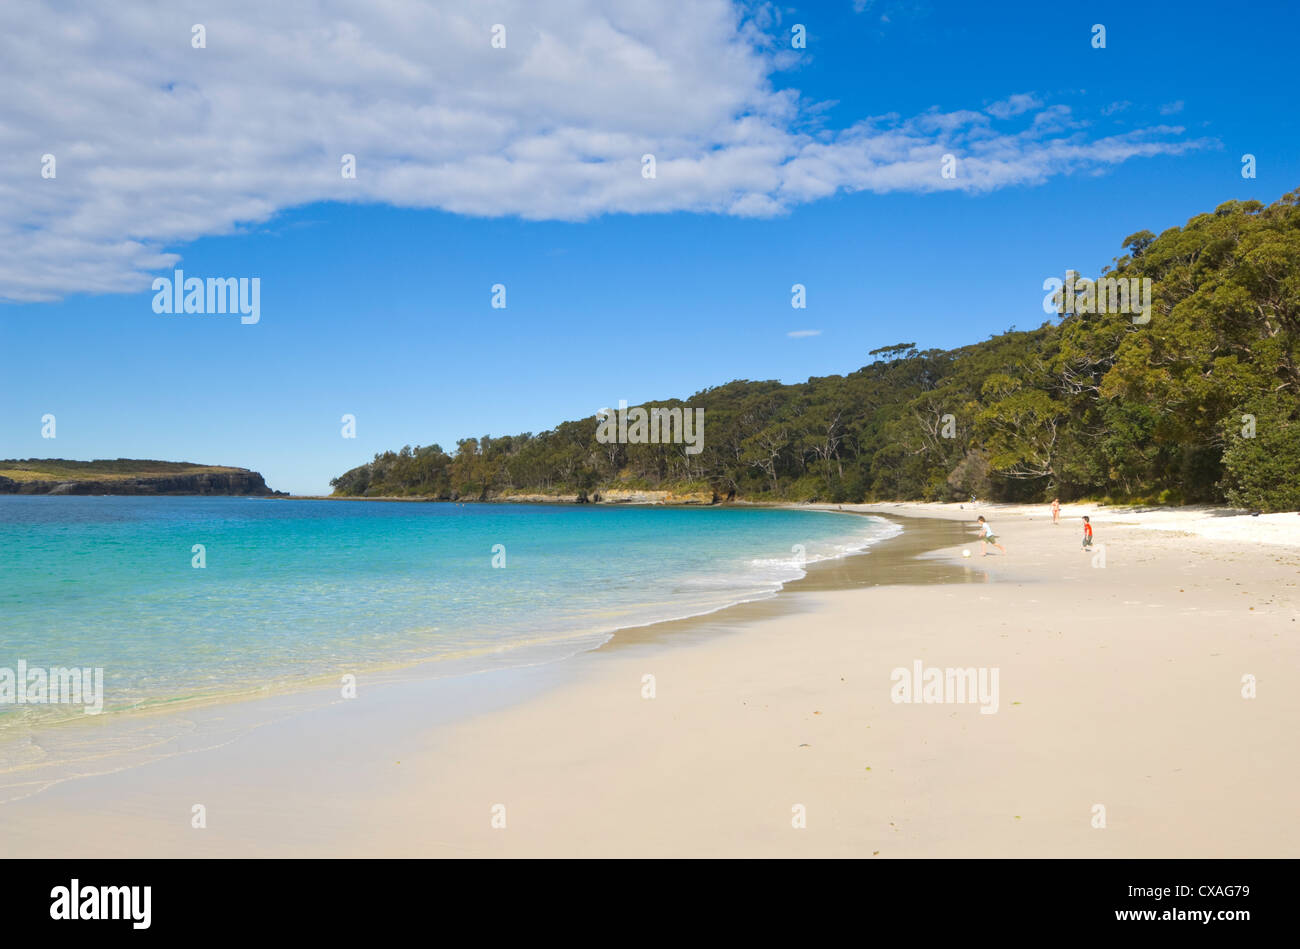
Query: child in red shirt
<point x="1087" y="533"/>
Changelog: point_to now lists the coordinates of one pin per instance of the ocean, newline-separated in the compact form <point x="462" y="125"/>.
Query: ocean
<point x="196" y="598"/>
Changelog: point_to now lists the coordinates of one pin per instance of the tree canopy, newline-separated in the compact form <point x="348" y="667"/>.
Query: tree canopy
<point x="1201" y="404"/>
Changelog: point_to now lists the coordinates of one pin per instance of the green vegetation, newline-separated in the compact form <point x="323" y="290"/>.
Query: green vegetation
<point x="1201" y="404"/>
<point x="58" y="469"/>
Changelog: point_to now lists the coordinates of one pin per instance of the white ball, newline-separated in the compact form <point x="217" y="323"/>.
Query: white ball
<point x="965" y="553"/>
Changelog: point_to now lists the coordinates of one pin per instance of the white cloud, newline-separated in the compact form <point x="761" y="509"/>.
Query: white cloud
<point x="1014" y="105"/>
<point x="800" y="334"/>
<point x="158" y="143"/>
<point x="1172" y="108"/>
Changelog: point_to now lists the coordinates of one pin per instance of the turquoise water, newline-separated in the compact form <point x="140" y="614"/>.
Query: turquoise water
<point x="295" y="590"/>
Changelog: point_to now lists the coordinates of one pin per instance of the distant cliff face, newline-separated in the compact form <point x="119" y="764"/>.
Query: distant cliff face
<point x="239" y="482"/>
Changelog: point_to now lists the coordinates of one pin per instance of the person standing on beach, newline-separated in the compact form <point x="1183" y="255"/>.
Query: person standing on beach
<point x="989" y="537"/>
<point x="1087" y="532"/>
<point x="1056" y="510"/>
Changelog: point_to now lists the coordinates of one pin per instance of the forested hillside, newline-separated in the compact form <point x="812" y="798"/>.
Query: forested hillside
<point x="1201" y="404"/>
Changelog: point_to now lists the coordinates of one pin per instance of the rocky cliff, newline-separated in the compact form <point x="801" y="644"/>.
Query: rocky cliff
<point x="236" y="481"/>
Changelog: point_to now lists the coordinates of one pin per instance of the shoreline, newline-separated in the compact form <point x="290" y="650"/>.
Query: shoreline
<point x="1120" y="687"/>
<point x="389" y="670"/>
<point x="321" y="689"/>
<point x="1207" y="520"/>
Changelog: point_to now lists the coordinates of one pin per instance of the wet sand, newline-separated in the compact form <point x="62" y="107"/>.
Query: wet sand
<point x="898" y="559"/>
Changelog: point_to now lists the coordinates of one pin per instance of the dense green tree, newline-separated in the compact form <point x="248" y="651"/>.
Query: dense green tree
<point x="1089" y="404"/>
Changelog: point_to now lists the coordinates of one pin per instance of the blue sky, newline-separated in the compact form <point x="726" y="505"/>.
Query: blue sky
<point x="377" y="303"/>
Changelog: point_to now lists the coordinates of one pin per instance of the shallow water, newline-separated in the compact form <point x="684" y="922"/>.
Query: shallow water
<point x="290" y="591"/>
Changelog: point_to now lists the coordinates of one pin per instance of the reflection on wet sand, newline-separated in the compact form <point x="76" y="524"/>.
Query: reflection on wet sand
<point x="896" y="560"/>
